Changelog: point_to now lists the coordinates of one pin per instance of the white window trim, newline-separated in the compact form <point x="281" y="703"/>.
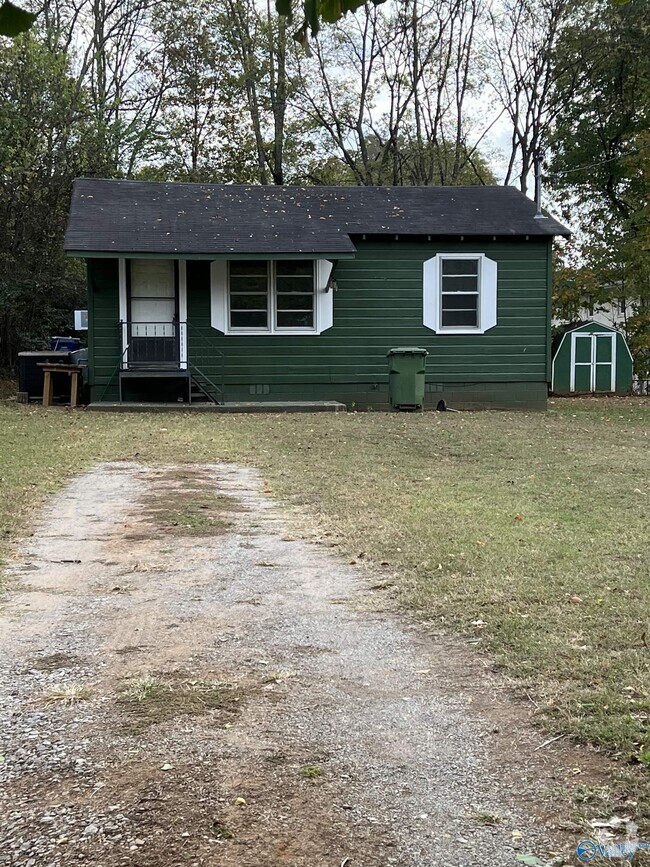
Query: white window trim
<point x="220" y="302"/>
<point x="487" y="294"/>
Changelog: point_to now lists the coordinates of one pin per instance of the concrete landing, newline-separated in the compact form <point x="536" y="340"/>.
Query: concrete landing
<point x="234" y="406"/>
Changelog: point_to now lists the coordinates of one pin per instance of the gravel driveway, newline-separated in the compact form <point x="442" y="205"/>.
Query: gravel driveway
<point x="183" y="682"/>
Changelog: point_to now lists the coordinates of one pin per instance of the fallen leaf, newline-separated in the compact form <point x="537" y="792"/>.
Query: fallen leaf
<point x="240" y="802"/>
<point x="575" y="600"/>
<point x="518" y="518"/>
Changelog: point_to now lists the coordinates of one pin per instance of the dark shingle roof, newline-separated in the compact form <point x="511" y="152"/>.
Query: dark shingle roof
<point x="144" y="217"/>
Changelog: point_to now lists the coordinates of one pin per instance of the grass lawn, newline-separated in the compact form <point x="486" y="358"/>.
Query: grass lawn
<point x="527" y="532"/>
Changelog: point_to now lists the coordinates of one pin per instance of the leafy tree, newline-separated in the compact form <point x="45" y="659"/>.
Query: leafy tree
<point x="601" y="155"/>
<point x="418" y="164"/>
<point x="200" y="134"/>
<point x="313" y="12"/>
<point x="14" y="20"/>
<point x="42" y="141"/>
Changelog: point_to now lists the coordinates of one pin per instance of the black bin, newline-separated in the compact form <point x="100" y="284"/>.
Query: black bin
<point x="30" y="375"/>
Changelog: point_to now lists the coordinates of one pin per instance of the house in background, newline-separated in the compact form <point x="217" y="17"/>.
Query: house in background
<point x="613" y="314"/>
<point x="258" y="293"/>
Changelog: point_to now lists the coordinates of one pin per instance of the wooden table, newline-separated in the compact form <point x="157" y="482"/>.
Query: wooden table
<point x="73" y="371"/>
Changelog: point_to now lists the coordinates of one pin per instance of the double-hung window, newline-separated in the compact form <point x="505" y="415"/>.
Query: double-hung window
<point x="460" y="293"/>
<point x="280" y="297"/>
<point x="271" y="297"/>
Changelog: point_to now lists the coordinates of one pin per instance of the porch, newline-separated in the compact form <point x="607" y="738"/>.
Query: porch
<point x="157" y="364"/>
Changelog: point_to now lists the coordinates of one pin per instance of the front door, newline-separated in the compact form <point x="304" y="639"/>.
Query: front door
<point x="593" y="367"/>
<point x="153" y="331"/>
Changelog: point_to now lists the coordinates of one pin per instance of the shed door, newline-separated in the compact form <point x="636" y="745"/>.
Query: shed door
<point x="604" y="362"/>
<point x="593" y="366"/>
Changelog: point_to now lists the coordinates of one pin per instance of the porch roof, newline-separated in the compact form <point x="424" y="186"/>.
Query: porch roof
<point x="140" y="217"/>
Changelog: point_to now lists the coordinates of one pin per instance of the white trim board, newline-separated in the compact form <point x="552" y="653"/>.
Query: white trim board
<point x="182" y="312"/>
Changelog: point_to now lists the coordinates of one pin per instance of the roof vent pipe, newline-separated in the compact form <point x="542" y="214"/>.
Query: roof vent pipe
<point x="538" y="189"/>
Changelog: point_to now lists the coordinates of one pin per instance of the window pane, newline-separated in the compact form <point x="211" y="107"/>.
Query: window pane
<point x="459" y="319"/>
<point x="295" y="319"/>
<point x="295" y="302"/>
<point x="460" y="284"/>
<point x="248" y="319"/>
<point x="295" y="284"/>
<point x="294" y="280"/>
<point x="239" y="301"/>
<point x="294" y="267"/>
<point x="248" y="284"/>
<point x="249" y="294"/>
<point x="248" y="268"/>
<point x="460" y="266"/>
<point x="152" y="278"/>
<point x="459" y="302"/>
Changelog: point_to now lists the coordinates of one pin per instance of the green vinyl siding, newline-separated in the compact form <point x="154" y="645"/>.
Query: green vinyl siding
<point x="103" y="327"/>
<point x="378" y="305"/>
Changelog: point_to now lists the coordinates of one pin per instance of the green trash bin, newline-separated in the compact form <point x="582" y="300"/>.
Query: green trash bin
<point x="406" y="368"/>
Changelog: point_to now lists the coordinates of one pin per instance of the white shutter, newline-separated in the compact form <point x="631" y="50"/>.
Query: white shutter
<point x="324" y="296"/>
<point x="431" y="293"/>
<point x="219" y="294"/>
<point x="488" y="300"/>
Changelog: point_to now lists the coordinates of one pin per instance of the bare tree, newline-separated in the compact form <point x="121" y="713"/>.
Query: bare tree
<point x="524" y="71"/>
<point x="388" y="91"/>
<point x="260" y="44"/>
<point x="110" y="44"/>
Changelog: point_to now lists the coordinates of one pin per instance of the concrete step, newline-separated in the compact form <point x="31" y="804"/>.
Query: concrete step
<point x="232" y="406"/>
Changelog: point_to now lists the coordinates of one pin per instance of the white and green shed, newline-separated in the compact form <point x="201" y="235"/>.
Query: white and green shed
<point x="591" y="358"/>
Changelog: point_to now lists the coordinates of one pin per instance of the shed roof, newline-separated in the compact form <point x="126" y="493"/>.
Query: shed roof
<point x="114" y="216"/>
<point x="586" y="325"/>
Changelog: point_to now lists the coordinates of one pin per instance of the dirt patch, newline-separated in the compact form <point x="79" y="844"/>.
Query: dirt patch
<point x="53" y="662"/>
<point x="153" y="699"/>
<point x="183" y="503"/>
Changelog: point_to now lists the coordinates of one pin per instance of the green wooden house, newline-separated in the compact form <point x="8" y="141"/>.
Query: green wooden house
<point x="257" y="293"/>
<point x="591" y="358"/>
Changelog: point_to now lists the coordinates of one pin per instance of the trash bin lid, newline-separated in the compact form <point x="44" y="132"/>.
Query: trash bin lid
<point x="406" y="350"/>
